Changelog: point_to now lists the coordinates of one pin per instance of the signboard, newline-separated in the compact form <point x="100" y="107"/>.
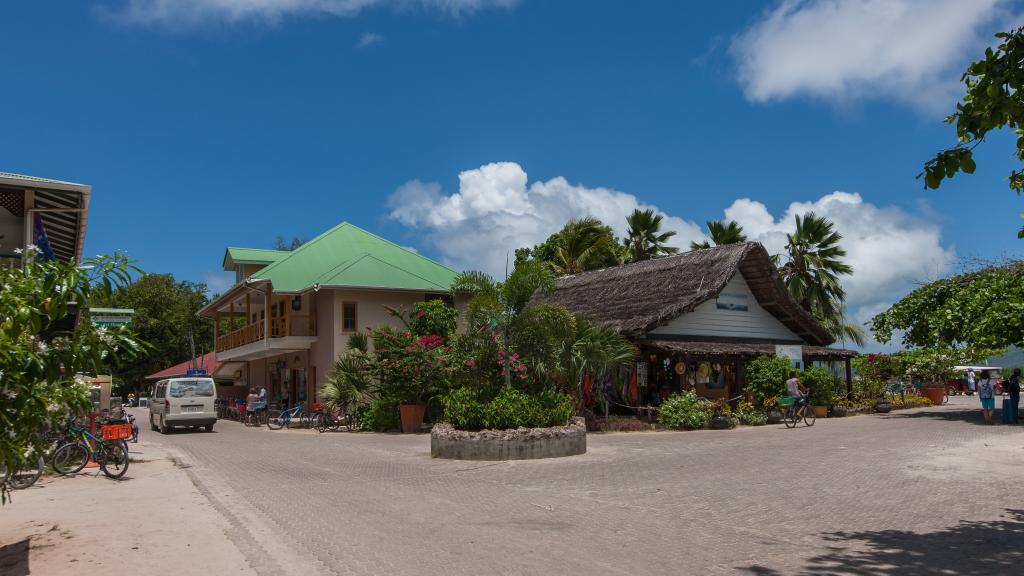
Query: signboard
<point x="195" y="372"/>
<point x="736" y="301"/>
<point x="795" y="353"/>
<point x="111" y="317"/>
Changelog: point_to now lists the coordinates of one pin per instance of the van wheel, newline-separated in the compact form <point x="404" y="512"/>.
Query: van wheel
<point x="164" y="428"/>
<point x="152" y="425"/>
<point x="208" y="427"/>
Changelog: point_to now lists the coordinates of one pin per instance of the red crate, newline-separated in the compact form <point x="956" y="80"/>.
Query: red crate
<point x="116" y="431"/>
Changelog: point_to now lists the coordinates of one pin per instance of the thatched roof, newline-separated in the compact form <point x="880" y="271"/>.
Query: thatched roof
<point x="636" y="298"/>
<point x="713" y="349"/>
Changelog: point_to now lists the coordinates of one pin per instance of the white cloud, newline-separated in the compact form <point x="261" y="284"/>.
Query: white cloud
<point x="192" y="12"/>
<point x="217" y="282"/>
<point x="496" y="211"/>
<point x="891" y="250"/>
<point x="369" y="39"/>
<point x="846" y="50"/>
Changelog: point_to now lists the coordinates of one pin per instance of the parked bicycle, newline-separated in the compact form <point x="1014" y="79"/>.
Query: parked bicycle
<point x="795" y="410"/>
<point x="110" y="451"/>
<point x="277" y="419"/>
<point x="25" y="474"/>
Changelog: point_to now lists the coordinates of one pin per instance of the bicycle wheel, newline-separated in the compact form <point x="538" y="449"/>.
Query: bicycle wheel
<point x="809" y="417"/>
<point x="114" y="460"/>
<point x="320" y="422"/>
<point x="27" y="473"/>
<point x="275" y="420"/>
<point x="70" y="459"/>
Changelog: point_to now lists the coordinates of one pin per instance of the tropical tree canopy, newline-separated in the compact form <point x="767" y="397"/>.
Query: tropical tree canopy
<point x="644" y="238"/>
<point x="582" y="244"/>
<point x="983" y="308"/>
<point x="811" y="266"/>
<point x="721" y="233"/>
<point x="165" y="312"/>
<point x="994" y="100"/>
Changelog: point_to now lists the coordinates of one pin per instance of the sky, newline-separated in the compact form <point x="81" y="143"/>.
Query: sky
<point x="467" y="128"/>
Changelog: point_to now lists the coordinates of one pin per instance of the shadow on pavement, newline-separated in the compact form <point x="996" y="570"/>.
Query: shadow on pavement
<point x="970" y="548"/>
<point x="969" y="415"/>
<point x="14" y="559"/>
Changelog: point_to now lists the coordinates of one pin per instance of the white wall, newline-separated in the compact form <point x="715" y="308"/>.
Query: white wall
<point x="707" y="319"/>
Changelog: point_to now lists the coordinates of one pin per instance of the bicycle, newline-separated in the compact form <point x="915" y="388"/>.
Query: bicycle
<point x="324" y="419"/>
<point x="796" y="411"/>
<point x="24" y="475"/>
<point x="110" y="452"/>
<point x="277" y="419"/>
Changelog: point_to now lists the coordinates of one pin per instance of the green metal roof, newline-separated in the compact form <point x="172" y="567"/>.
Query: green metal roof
<point x="349" y="256"/>
<point x="234" y="256"/>
<point x="14" y="176"/>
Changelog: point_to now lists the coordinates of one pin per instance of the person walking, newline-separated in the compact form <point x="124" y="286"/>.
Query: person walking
<point x="250" y="407"/>
<point x="1013" y="389"/>
<point x="971" y="381"/>
<point x="987" y="394"/>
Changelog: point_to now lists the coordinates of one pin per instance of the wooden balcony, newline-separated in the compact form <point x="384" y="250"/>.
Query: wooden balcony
<point x="288" y="325"/>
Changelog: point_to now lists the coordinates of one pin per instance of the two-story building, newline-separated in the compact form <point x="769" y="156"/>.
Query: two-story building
<point x="288" y="317"/>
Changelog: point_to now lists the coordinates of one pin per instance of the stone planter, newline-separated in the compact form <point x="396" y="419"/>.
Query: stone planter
<point x="518" y="444"/>
<point x="412" y="417"/>
<point x="774" y="416"/>
<point x="840" y="411"/>
<point x="721" y="422"/>
<point x="883" y="407"/>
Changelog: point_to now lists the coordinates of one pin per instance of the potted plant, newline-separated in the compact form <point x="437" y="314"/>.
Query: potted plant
<point x="721" y="418"/>
<point x="822" y="385"/>
<point x="771" y="405"/>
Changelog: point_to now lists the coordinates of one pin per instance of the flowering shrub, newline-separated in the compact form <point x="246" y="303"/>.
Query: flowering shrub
<point x="746" y="413"/>
<point x="685" y="411"/>
<point x="766" y="377"/>
<point x="41" y="348"/>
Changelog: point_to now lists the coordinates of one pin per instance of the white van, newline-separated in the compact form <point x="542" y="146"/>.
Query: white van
<point x="183" y="402"/>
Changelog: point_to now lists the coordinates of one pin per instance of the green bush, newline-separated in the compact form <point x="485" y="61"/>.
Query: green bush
<point x="747" y="414"/>
<point x="466" y="409"/>
<point x="822" y="385"/>
<point x="685" y="411"/>
<point x="382" y="415"/>
<point x="766" y="377"/>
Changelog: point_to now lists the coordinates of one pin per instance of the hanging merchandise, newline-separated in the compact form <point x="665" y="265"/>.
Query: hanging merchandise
<point x="716" y="381"/>
<point x="704" y="373"/>
<point x="634" y="392"/>
<point x="641" y="374"/>
<point x="680" y="368"/>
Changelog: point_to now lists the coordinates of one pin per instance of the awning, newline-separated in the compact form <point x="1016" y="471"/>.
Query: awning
<point x="748" y="349"/>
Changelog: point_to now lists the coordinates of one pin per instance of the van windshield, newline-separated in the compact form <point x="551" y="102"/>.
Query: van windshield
<point x="191" y="388"/>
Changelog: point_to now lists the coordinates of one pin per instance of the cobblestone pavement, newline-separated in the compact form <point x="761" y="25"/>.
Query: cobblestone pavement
<point x="913" y="492"/>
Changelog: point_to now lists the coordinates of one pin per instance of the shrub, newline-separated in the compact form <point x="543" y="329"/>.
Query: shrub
<point x="467" y="409"/>
<point x="822" y="385"/>
<point x="910" y="401"/>
<point x="868" y="388"/>
<point x="766" y="377"/>
<point x="685" y="411"/>
<point x="382" y="415"/>
<point x="748" y="414"/>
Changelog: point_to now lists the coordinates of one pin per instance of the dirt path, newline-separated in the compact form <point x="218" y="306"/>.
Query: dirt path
<point x="154" y="521"/>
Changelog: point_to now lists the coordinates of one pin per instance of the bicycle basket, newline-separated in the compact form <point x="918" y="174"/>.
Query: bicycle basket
<point x="786" y="401"/>
<point x="116" y="431"/>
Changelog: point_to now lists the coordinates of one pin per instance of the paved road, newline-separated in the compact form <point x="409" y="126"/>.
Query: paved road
<point x="914" y="492"/>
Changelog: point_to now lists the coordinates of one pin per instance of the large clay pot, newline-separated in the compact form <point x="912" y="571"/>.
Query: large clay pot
<point x="883" y="407"/>
<point x="721" y="422"/>
<point x="820" y="411"/>
<point x="934" y="393"/>
<point x="774" y="416"/>
<point x="840" y="411"/>
<point x="412" y="417"/>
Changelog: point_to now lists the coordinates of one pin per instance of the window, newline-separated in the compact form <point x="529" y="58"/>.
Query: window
<point x="191" y="388"/>
<point x="348" y="317"/>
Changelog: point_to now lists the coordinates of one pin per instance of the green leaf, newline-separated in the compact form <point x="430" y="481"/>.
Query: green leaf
<point x="967" y="164"/>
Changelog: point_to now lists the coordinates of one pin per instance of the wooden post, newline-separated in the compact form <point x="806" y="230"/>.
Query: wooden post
<point x="849" y="380"/>
<point x="266" y="316"/>
<point x="287" y="318"/>
<point x="231" y="316"/>
<point x="248" y="309"/>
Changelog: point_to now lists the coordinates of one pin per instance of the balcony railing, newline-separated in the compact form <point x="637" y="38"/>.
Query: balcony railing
<point x="290" y="325"/>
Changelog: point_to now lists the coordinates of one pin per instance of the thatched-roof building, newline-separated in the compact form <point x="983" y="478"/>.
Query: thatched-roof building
<point x="697" y="316"/>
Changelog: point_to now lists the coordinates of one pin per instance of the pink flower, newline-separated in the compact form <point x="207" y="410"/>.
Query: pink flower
<point x="471" y="363"/>
<point x="421" y="314"/>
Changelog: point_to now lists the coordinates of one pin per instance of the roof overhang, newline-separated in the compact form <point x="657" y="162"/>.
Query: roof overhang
<point x="64" y="217"/>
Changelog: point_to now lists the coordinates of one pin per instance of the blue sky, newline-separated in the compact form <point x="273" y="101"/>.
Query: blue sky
<point x="466" y="128"/>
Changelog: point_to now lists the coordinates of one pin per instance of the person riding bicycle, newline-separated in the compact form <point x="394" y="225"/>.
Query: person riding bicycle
<point x="250" y="405"/>
<point x="795" y="390"/>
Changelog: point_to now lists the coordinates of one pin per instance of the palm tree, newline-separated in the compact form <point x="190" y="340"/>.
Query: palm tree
<point x="584" y="244"/>
<point x="812" y="265"/>
<point x="842" y="330"/>
<point x="721" y="233"/>
<point x="644" y="239"/>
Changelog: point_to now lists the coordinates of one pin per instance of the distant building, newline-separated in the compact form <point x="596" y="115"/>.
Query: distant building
<point x="290" y="314"/>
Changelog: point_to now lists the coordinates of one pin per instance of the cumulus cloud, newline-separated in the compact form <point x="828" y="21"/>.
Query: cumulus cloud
<point x="497" y="210"/>
<point x="846" y="50"/>
<point x="369" y="39"/>
<point x="217" y="281"/>
<point x="191" y="12"/>
<point x="891" y="250"/>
